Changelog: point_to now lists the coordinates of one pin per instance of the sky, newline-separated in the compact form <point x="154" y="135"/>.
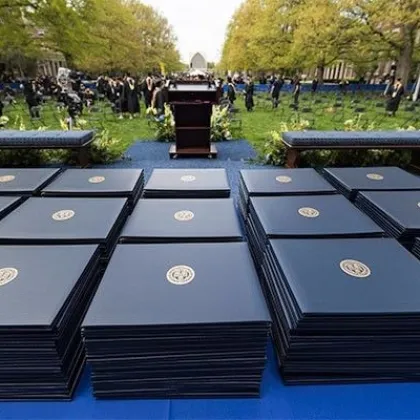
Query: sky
<point x="199" y="25"/>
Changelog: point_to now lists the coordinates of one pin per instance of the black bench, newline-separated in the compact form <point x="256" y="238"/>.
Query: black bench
<point x="78" y="141"/>
<point x="299" y="141"/>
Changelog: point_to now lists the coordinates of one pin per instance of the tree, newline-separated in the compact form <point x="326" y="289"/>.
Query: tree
<point x="393" y="25"/>
<point x="97" y="36"/>
<point x="17" y="45"/>
<point x="156" y="38"/>
<point x="236" y="53"/>
<point x="322" y="35"/>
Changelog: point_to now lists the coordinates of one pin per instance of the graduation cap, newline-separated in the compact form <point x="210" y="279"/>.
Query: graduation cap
<point x="192" y="323"/>
<point x="182" y="220"/>
<point x="349" y="181"/>
<point x="123" y="183"/>
<point x="344" y="310"/>
<point x="25" y="182"/>
<point x="187" y="183"/>
<point x="59" y="221"/>
<point x="305" y="217"/>
<point x="398" y="213"/>
<point x="45" y="292"/>
<point x="280" y="182"/>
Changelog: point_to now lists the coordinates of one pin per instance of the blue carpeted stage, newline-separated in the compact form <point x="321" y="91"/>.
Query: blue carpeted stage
<point x="384" y="401"/>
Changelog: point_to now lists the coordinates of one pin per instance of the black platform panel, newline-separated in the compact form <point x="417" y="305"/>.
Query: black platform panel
<point x="48" y="221"/>
<point x="305" y="217"/>
<point x="279" y="182"/>
<point x="344" y="310"/>
<point x="192" y="322"/>
<point x="183" y="220"/>
<point x="8" y="204"/>
<point x="398" y="213"/>
<point x="44" y="295"/>
<point x="25" y="181"/>
<point x="349" y="181"/>
<point x="126" y="183"/>
<point x="187" y="183"/>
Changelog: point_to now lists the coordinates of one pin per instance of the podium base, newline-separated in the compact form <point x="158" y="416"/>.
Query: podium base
<point x="175" y="152"/>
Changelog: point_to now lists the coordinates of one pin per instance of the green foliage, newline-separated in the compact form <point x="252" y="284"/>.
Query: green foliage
<point x="275" y="151"/>
<point x="105" y="148"/>
<point x="358" y="124"/>
<point x="165" y="124"/>
<point x="293" y="35"/>
<point x="97" y="36"/>
<point x="220" y="124"/>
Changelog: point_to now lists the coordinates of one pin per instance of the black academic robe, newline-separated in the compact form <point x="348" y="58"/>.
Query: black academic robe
<point x="296" y="92"/>
<point x="120" y="104"/>
<point x="394" y="101"/>
<point x="159" y="101"/>
<point x="131" y="98"/>
<point x="148" y="92"/>
<point x="275" y="90"/>
<point x="249" y="96"/>
<point x="231" y="93"/>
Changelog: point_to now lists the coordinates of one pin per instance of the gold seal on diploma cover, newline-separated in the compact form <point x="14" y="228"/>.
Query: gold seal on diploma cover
<point x="96" y="179"/>
<point x="184" y="216"/>
<point x="283" y="179"/>
<point x="188" y="178"/>
<point x="180" y="275"/>
<point x="355" y="268"/>
<point x="308" y="212"/>
<point x="63" y="215"/>
<point x="7" y="178"/>
<point x="7" y="275"/>
<point x="375" y="177"/>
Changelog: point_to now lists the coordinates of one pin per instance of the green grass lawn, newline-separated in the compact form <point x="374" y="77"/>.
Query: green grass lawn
<point x="254" y="126"/>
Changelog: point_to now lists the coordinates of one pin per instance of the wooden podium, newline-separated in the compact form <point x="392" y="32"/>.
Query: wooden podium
<point x="192" y="106"/>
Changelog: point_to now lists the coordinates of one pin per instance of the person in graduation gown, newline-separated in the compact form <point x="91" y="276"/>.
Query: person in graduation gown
<point x="120" y="104"/>
<point x="394" y="101"/>
<point x="249" y="94"/>
<point x="314" y="87"/>
<point x="275" y="92"/>
<point x="231" y="93"/>
<point x="158" y="102"/>
<point x="130" y="96"/>
<point x="32" y="97"/>
<point x="296" y="91"/>
<point x="148" y="91"/>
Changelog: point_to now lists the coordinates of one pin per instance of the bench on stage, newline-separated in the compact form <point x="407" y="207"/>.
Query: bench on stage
<point x="78" y="141"/>
<point x="299" y="141"/>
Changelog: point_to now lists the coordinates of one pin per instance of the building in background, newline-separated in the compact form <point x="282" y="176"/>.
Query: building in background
<point x="198" y="63"/>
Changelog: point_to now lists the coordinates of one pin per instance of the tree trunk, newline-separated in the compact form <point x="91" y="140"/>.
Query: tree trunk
<point x="320" y="73"/>
<point x="405" y="60"/>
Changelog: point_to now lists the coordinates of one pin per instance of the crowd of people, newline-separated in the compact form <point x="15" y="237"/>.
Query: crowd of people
<point x="125" y="94"/>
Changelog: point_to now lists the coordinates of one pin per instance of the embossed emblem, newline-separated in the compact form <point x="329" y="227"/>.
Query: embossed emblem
<point x="7" y="178"/>
<point x="184" y="215"/>
<point x="283" y="179"/>
<point x="418" y="204"/>
<point x="96" y="179"/>
<point x="188" y="178"/>
<point x="180" y="275"/>
<point x="7" y="275"/>
<point x="63" y="215"/>
<point x="308" y="212"/>
<point x="355" y="268"/>
<point x="375" y="177"/>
